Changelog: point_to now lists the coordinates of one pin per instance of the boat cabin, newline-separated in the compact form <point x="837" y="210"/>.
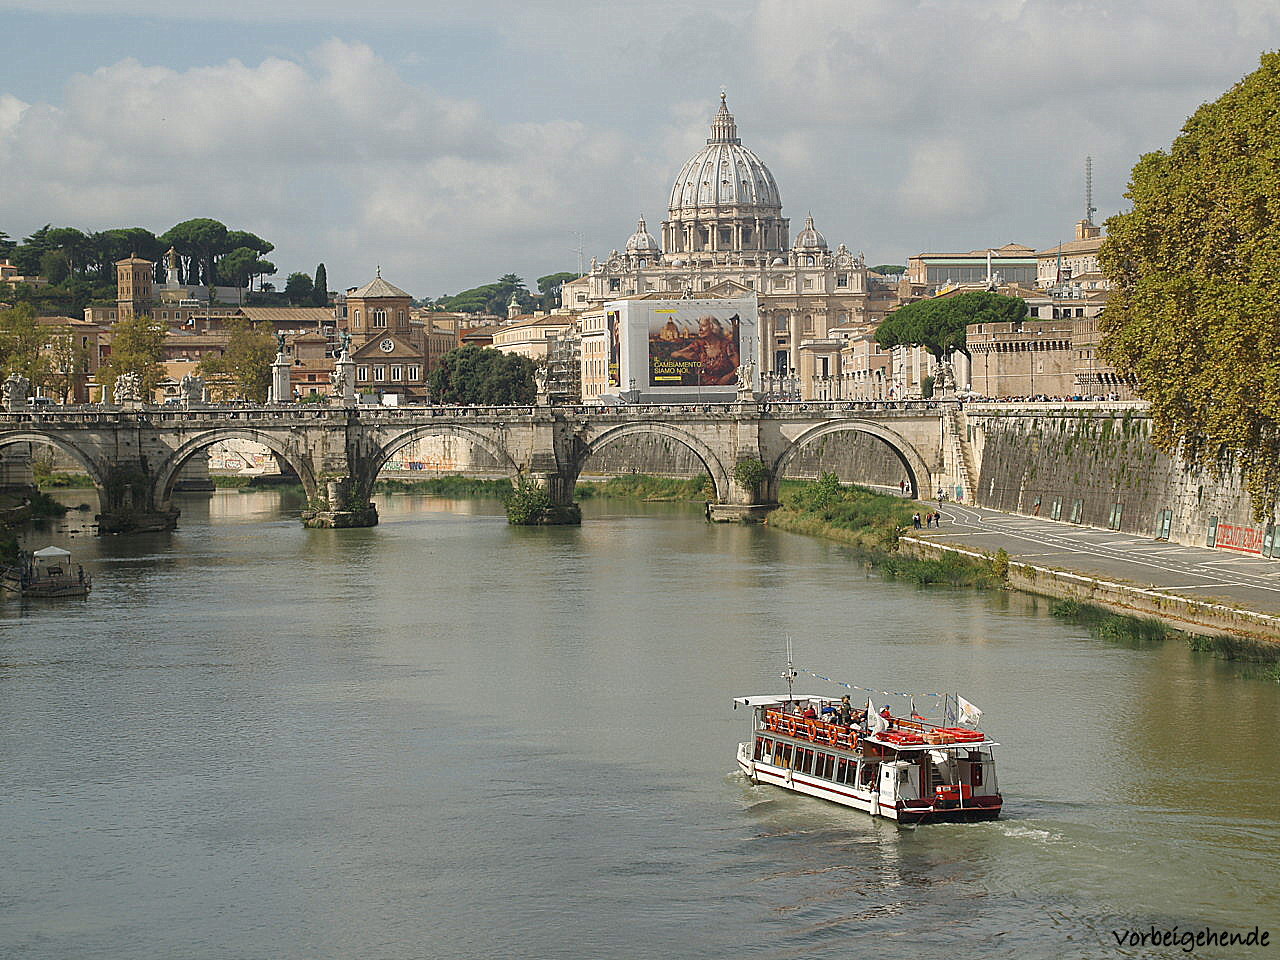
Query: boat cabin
<point x="904" y="768"/>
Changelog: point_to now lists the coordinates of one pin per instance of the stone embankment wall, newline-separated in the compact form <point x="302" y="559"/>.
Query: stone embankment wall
<point x="1095" y="465"/>
<point x="1185" y="613"/>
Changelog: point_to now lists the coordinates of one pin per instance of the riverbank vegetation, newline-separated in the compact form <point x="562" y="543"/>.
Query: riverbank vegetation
<point x="870" y="522"/>
<point x="1147" y="631"/>
<point x="640" y="486"/>
<point x="447" y="486"/>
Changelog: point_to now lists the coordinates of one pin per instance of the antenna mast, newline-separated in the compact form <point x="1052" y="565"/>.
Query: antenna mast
<point x="790" y="675"/>
<point x="1089" y="208"/>
<point x="579" y="251"/>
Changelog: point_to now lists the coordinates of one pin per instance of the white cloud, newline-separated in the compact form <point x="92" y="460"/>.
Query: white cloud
<point x="900" y="123"/>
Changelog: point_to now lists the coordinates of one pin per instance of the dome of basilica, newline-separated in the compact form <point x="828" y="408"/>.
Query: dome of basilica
<point x="809" y="238"/>
<point x="725" y="174"/>
<point x="642" y="241"/>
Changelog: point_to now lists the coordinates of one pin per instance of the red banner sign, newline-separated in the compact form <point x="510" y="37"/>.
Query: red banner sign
<point x="1244" y="539"/>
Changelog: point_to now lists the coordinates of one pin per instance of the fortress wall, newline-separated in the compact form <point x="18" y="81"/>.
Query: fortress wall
<point x="1034" y="460"/>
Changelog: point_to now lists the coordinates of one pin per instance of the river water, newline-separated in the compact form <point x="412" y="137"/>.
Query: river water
<point x="447" y="737"/>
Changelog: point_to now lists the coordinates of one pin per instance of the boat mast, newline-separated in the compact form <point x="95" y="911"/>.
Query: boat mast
<point x="790" y="674"/>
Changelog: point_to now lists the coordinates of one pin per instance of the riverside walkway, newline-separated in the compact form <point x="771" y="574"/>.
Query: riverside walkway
<point x="1194" y="573"/>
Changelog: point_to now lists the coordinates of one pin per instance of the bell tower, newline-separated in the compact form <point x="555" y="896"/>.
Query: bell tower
<point x="135" y="286"/>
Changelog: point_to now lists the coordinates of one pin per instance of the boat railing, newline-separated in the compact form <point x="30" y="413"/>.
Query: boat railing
<point x="816" y="731"/>
<point x="901" y="731"/>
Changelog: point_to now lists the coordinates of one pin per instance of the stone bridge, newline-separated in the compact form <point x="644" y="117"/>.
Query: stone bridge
<point x="135" y="454"/>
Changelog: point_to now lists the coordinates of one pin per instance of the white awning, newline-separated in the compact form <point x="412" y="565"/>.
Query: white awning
<point x="52" y="553"/>
<point x="776" y="700"/>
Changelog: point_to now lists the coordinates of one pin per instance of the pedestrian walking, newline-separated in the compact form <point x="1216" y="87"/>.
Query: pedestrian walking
<point x="915" y="520"/>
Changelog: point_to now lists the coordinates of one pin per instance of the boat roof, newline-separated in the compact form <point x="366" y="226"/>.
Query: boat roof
<point x="51" y="553"/>
<point x="776" y="699"/>
<point x="961" y="745"/>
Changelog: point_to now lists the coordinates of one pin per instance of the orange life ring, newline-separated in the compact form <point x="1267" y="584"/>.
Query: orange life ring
<point x="772" y="721"/>
<point x="789" y="726"/>
<point x="813" y="731"/>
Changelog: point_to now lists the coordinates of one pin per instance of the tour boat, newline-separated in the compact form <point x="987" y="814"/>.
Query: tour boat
<point x="46" y="573"/>
<point x="911" y="770"/>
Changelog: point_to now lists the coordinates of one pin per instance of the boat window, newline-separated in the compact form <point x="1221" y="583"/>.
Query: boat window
<point x="828" y="766"/>
<point x="804" y="761"/>
<point x="759" y="748"/>
<point x="786" y="755"/>
<point x="977" y="774"/>
<point x="842" y="771"/>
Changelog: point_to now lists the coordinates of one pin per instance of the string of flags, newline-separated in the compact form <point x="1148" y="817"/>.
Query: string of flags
<point x="854" y="686"/>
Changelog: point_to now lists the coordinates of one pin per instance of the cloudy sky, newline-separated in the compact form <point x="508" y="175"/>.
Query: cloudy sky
<point x="451" y="142"/>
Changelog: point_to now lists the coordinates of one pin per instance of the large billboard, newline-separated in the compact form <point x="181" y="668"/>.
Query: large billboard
<point x="694" y="345"/>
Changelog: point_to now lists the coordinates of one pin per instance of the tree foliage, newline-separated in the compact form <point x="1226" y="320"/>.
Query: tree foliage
<point x="137" y="346"/>
<point x="481" y="375"/>
<point x="299" y="289"/>
<point x="889" y="269"/>
<point x="1195" y="273"/>
<point x="247" y="360"/>
<point x="938" y="324"/>
<point x="23" y="344"/>
<point x="490" y="298"/>
<point x="549" y="286"/>
<point x="320" y="288"/>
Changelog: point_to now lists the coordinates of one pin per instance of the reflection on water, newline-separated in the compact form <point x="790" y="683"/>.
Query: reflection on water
<point x="448" y="737"/>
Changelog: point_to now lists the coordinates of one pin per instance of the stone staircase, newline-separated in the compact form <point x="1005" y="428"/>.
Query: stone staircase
<point x="963" y="466"/>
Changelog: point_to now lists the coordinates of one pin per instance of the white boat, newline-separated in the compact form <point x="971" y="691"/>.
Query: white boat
<point x="911" y="771"/>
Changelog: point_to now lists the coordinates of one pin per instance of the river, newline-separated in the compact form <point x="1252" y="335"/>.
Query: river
<point x="447" y="737"/>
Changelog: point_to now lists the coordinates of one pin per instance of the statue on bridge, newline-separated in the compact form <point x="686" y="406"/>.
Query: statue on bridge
<point x="127" y="388"/>
<point x="192" y="388"/>
<point x="339" y="380"/>
<point x="747" y="379"/>
<point x="15" y="390"/>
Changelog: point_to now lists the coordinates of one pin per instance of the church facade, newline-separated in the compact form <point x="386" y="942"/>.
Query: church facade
<point x="725" y="236"/>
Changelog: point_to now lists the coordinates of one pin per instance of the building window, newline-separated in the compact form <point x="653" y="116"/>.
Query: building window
<point x="614" y="284"/>
<point x="379" y="318"/>
<point x="726" y="237"/>
<point x="582" y="298"/>
<point x="355" y="317"/>
<point x="397" y="374"/>
<point x="362" y="373"/>
<point x="415" y="373"/>
<point x="379" y="373"/>
<point x="842" y="279"/>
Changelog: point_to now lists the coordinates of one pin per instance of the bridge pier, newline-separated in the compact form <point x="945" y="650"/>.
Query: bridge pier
<point x="340" y="503"/>
<point x="126" y="506"/>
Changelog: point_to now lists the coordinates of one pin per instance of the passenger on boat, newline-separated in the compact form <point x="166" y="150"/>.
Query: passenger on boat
<point x="828" y="713"/>
<point x="886" y="712"/>
<point x="845" y="713"/>
<point x="810" y="713"/>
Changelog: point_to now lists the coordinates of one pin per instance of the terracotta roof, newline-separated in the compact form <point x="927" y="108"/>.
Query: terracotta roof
<point x="283" y="316"/>
<point x="1074" y="246"/>
<point x="375" y="288"/>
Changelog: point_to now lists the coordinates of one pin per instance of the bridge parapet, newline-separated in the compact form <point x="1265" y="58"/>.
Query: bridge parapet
<point x="134" y="455"/>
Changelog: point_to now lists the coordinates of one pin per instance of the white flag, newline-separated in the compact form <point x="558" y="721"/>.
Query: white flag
<point x="878" y="723"/>
<point x="969" y="714"/>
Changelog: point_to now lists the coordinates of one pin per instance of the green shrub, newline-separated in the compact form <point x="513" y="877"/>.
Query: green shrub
<point x="527" y="503"/>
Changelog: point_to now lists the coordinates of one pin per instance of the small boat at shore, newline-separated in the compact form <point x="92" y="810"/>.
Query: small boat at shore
<point x="45" y="573"/>
<point x="906" y="769"/>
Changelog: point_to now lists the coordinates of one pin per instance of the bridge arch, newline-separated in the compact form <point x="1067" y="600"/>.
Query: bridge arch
<point x="910" y="458"/>
<point x="486" y="443"/>
<point x="28" y="435"/>
<point x="714" y="466"/>
<point x="173" y="463"/>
